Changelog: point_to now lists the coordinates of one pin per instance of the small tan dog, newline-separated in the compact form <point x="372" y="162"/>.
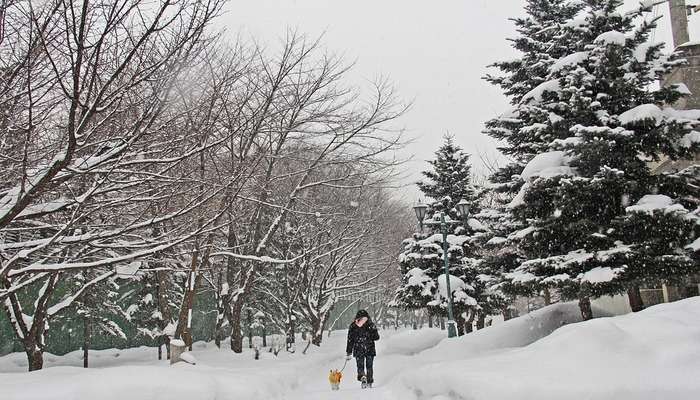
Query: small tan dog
<point x="334" y="378"/>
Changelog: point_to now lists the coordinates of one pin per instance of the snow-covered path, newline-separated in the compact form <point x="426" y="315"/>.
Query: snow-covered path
<point x="532" y="357"/>
<point x="315" y="386"/>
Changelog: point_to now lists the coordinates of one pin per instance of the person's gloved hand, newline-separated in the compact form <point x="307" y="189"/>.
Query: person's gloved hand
<point x="348" y="357"/>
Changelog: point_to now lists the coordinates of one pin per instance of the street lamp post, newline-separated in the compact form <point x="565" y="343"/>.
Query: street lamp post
<point x="463" y="209"/>
<point x="451" y="325"/>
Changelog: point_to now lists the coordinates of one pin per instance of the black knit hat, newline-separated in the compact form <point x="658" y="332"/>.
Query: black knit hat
<point x="362" y="313"/>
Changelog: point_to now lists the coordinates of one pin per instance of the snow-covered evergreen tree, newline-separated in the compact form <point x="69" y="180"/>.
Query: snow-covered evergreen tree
<point x="589" y="191"/>
<point x="539" y="43"/>
<point x="152" y="301"/>
<point x="421" y="262"/>
<point x="519" y="130"/>
<point x="424" y="282"/>
<point x="97" y="310"/>
<point x="450" y="175"/>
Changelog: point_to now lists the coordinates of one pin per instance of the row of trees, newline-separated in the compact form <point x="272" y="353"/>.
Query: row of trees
<point x="579" y="209"/>
<point x="144" y="160"/>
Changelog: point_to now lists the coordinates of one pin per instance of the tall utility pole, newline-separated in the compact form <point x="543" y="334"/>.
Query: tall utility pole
<point x="688" y="74"/>
<point x="679" y="22"/>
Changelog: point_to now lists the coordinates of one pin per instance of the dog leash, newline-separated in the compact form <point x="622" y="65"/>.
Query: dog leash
<point x="346" y="363"/>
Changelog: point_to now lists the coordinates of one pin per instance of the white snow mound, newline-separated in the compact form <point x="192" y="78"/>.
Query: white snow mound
<point x="410" y="342"/>
<point x="653" y="354"/>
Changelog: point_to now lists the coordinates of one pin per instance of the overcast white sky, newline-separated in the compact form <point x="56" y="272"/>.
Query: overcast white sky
<point x="435" y="52"/>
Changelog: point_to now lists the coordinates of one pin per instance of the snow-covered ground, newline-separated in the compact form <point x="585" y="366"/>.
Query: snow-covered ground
<point x="649" y="355"/>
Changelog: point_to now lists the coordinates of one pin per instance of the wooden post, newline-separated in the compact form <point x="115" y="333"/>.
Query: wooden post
<point x="671" y="293"/>
<point x="177" y="347"/>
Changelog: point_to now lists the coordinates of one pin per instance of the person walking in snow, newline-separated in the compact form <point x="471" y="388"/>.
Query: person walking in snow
<point x="361" y="337"/>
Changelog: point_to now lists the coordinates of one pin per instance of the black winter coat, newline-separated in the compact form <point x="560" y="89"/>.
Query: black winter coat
<point x="361" y="339"/>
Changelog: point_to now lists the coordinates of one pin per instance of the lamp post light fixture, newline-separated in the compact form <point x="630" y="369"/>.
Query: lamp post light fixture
<point x="463" y="209"/>
<point x="420" y="209"/>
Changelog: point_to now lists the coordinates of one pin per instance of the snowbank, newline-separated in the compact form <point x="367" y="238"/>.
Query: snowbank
<point x="410" y="342"/>
<point x="182" y="381"/>
<point x="136" y="374"/>
<point x="17" y="362"/>
<point x="517" y="332"/>
<point x="654" y="354"/>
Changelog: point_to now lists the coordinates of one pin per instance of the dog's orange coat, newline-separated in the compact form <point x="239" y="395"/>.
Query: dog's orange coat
<point x="335" y="376"/>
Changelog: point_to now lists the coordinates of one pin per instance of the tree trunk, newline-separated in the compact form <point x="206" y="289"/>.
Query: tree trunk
<point x="292" y="331"/>
<point x="184" y="323"/>
<point x="35" y="358"/>
<point x="264" y="336"/>
<point x="249" y="323"/>
<point x="164" y="309"/>
<point x="220" y="311"/>
<point x="635" y="299"/>
<point x="165" y="340"/>
<point x="32" y="334"/>
<point x="86" y="340"/>
<point x="291" y="334"/>
<point x="236" y="334"/>
<point x="308" y="344"/>
<point x="460" y="322"/>
<point x="547" y="297"/>
<point x="442" y="323"/>
<point x="469" y="326"/>
<point x="316" y="332"/>
<point x="584" y="304"/>
<point x="188" y="338"/>
<point x="430" y="320"/>
<point x="481" y="321"/>
<point x="317" y="339"/>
